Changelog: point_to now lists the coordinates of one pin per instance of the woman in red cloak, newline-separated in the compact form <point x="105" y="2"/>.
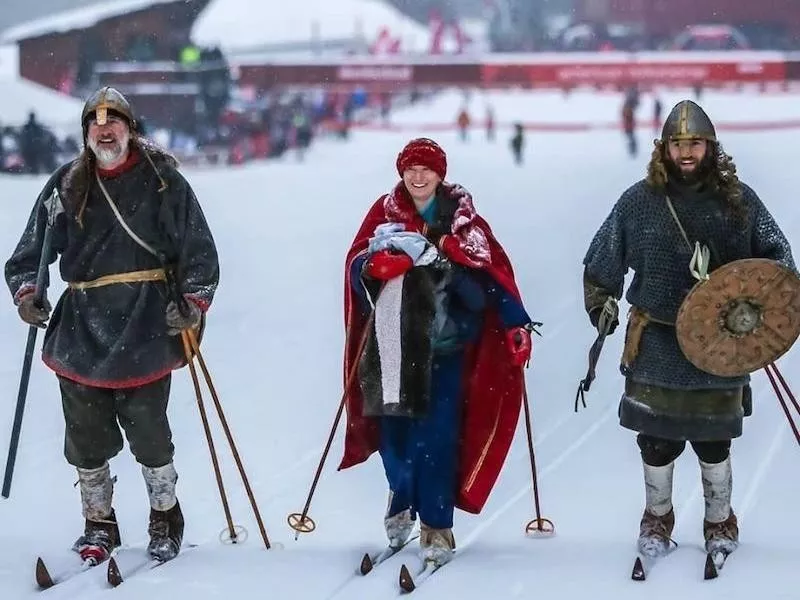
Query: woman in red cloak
<point x="446" y="451"/>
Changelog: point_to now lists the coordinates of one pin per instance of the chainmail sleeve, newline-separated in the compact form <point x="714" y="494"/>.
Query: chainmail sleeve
<point x="605" y="262"/>
<point x="767" y="240"/>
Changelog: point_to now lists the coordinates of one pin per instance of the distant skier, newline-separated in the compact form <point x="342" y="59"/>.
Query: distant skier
<point x="491" y="125"/>
<point x="446" y="305"/>
<point x="691" y="194"/>
<point x="629" y="126"/>
<point x="463" y="123"/>
<point x="657" y="108"/>
<point x="518" y="143"/>
<point x="35" y="147"/>
<point x="111" y="339"/>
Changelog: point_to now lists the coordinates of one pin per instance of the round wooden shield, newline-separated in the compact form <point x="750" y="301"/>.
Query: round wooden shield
<point x="745" y="316"/>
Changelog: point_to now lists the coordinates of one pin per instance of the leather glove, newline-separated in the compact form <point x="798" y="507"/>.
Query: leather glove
<point x="610" y="310"/>
<point x="32" y="314"/>
<point x="177" y="321"/>
<point x="385" y="265"/>
<point x="519" y="345"/>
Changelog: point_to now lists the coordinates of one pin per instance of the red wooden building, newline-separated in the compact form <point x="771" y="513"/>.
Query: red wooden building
<point x="59" y="49"/>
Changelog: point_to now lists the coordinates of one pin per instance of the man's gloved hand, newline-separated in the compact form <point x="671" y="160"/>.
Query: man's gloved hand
<point x="32" y="314"/>
<point x="385" y="265"/>
<point x="520" y="345"/>
<point x="606" y="314"/>
<point x="177" y="321"/>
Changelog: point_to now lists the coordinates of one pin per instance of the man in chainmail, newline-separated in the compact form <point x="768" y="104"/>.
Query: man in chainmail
<point x="691" y="197"/>
<point x="141" y="266"/>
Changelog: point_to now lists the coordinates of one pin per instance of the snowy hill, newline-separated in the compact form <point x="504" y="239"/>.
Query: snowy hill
<point x="238" y="25"/>
<point x="18" y="97"/>
<point x="274" y="346"/>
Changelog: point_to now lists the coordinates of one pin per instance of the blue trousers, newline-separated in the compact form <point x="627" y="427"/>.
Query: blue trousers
<point x="420" y="456"/>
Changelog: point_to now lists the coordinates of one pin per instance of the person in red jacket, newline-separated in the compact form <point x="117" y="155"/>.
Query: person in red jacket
<point x="439" y="336"/>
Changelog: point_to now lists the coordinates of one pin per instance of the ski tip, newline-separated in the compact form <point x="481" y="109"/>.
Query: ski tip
<point x="406" y="581"/>
<point x="710" y="570"/>
<point x="366" y="564"/>
<point x="43" y="578"/>
<point x="113" y="575"/>
<point x="638" y="573"/>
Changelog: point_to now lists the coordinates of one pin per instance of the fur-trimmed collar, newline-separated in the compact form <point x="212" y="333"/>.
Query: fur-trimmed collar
<point x="399" y="207"/>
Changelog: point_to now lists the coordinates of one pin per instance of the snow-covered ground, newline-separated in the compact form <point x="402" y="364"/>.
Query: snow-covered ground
<point x="274" y="346"/>
<point x="578" y="111"/>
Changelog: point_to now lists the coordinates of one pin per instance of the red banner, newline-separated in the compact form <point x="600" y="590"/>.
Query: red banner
<point x="665" y="73"/>
<point x="377" y="75"/>
<point x="537" y="72"/>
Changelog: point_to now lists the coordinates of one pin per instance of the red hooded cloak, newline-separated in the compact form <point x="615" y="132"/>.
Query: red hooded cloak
<point x="493" y="386"/>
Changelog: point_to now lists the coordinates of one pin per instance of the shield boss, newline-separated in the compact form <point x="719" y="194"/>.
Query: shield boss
<point x="744" y="317"/>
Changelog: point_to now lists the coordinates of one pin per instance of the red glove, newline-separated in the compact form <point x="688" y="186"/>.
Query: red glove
<point x="386" y="265"/>
<point x="449" y="246"/>
<point x="519" y="344"/>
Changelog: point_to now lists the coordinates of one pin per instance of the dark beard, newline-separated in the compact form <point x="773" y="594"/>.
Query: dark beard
<point x="696" y="176"/>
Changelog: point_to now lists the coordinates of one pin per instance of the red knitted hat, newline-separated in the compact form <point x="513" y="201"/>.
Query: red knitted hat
<point x="422" y="152"/>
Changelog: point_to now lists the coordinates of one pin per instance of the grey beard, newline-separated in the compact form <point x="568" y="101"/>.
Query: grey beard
<point x="107" y="156"/>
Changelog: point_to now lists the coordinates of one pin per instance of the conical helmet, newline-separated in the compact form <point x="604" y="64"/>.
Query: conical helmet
<point x="688" y="121"/>
<point x="103" y="101"/>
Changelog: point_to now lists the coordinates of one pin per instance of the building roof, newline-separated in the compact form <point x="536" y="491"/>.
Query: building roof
<point x="245" y="25"/>
<point x="74" y="17"/>
<point x="21" y="12"/>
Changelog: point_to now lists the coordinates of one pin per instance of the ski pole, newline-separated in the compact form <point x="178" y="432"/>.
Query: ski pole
<point x="54" y="208"/>
<point x="789" y="393"/>
<point x="539" y="525"/>
<point x="301" y="522"/>
<point x="207" y="429"/>
<point x="218" y="405"/>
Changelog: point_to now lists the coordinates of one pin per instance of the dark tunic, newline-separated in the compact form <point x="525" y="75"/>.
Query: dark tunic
<point x="116" y="336"/>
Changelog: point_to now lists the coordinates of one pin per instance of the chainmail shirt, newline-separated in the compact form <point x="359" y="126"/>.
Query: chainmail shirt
<point x="640" y="234"/>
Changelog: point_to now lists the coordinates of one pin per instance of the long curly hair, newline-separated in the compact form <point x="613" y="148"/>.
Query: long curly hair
<point x="721" y="177"/>
<point x="77" y="181"/>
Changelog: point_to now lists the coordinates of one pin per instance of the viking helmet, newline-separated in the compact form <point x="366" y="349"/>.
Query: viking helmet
<point x="103" y="101"/>
<point x="688" y="121"/>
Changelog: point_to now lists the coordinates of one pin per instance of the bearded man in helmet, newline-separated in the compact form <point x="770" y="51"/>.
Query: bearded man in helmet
<point x="690" y="197"/>
<point x="140" y="265"/>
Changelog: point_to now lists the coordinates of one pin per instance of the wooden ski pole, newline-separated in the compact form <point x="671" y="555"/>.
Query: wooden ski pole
<point x="187" y="350"/>
<point x="540" y="525"/>
<point x="218" y="405"/>
<point x="301" y="522"/>
<point x="789" y="393"/>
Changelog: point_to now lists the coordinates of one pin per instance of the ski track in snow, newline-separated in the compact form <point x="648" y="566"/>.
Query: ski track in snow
<point x="752" y="489"/>
<point x="485" y="521"/>
<point x="523" y="492"/>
